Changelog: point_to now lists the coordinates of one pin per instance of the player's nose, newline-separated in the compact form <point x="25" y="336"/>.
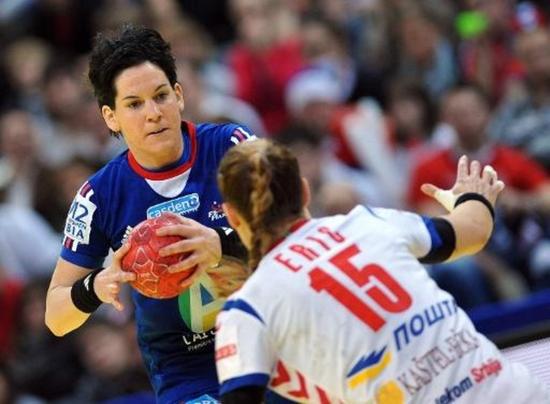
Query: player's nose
<point x="153" y="111"/>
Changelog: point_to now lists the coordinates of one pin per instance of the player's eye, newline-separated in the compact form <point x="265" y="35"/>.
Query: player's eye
<point x="134" y="104"/>
<point x="161" y="96"/>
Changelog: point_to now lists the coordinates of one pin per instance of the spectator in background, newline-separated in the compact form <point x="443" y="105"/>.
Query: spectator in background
<point x="524" y="121"/>
<point x="58" y="186"/>
<point x="206" y="104"/>
<point x="335" y="186"/>
<point x="356" y="133"/>
<point x="20" y="225"/>
<point x="466" y="109"/>
<point x="105" y="353"/>
<point x="37" y="350"/>
<point x="486" y="54"/>
<point x="263" y="59"/>
<point x="65" y="24"/>
<point x="19" y="146"/>
<point x="410" y="120"/>
<point x="326" y="46"/>
<point x="426" y="55"/>
<point x="7" y="390"/>
<point x="26" y="60"/>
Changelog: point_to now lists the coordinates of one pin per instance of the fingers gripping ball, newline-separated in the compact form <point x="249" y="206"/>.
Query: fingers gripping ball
<point x="152" y="276"/>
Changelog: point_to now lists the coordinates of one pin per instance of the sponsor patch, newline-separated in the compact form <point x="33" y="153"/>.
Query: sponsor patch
<point x="79" y="219"/>
<point x="181" y="206"/>
<point x="226" y="351"/>
<point x="216" y="212"/>
<point x="204" y="399"/>
<point x="368" y="367"/>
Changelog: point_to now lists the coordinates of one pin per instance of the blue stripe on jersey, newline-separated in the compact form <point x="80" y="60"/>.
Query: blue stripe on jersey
<point x="434" y="235"/>
<point x="372" y="212"/>
<point x="240" y="304"/>
<point x="253" y="379"/>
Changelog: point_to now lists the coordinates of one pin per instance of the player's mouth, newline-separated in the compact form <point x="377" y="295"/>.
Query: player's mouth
<point x="158" y="131"/>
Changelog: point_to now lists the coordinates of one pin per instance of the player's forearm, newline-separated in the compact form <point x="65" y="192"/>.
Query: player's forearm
<point x="473" y="226"/>
<point x="62" y="316"/>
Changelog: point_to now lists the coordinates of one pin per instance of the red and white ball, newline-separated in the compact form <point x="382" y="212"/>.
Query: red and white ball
<point x="152" y="276"/>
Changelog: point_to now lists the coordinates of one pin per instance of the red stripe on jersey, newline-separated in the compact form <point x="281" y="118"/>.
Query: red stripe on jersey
<point x="240" y="135"/>
<point x="85" y="189"/>
<point x="164" y="175"/>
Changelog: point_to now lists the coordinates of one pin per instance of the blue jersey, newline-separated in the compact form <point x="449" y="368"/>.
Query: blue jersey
<point x="176" y="336"/>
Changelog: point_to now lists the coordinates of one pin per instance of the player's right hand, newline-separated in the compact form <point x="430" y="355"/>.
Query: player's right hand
<point x="107" y="282"/>
<point x="469" y="178"/>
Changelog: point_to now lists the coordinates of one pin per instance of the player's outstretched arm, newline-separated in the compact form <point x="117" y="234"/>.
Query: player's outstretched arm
<point x="470" y="203"/>
<point x="75" y="292"/>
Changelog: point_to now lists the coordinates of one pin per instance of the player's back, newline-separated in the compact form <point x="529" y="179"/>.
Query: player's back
<point x="351" y="315"/>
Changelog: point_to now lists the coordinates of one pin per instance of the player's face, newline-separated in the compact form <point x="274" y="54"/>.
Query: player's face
<point x="148" y="114"/>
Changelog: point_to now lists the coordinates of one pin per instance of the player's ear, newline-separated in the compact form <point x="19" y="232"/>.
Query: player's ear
<point x="179" y="96"/>
<point x="232" y="215"/>
<point x="306" y="193"/>
<point x="110" y="118"/>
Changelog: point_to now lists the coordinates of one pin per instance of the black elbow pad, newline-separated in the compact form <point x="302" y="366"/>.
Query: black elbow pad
<point x="443" y="247"/>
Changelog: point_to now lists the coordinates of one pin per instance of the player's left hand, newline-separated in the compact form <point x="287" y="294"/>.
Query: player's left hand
<point x="201" y="242"/>
<point x="471" y="177"/>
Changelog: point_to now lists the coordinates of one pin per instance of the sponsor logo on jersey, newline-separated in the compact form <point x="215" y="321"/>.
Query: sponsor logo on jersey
<point x="216" y="212"/>
<point x="389" y="392"/>
<point x="79" y="219"/>
<point x="181" y="206"/>
<point x="368" y="367"/>
<point x="226" y="351"/>
<point x="204" y="399"/>
<point x="199" y="304"/>
<point x="423" y="369"/>
<point x="454" y="392"/>
<point x="486" y="369"/>
<point x="197" y="341"/>
<point x="422" y="321"/>
<point x="479" y="374"/>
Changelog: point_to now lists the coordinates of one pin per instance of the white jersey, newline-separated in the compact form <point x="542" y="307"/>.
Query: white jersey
<point x="342" y="311"/>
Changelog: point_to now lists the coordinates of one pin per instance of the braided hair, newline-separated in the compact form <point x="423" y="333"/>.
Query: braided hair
<point x="261" y="180"/>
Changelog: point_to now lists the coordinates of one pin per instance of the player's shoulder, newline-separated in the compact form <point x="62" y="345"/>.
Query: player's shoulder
<point x="258" y="292"/>
<point x="234" y="132"/>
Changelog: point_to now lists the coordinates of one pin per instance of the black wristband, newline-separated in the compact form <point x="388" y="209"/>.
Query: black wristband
<point x="473" y="196"/>
<point x="83" y="294"/>
<point x="231" y="243"/>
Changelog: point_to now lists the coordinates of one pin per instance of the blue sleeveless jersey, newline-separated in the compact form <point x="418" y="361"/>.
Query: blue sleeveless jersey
<point x="175" y="335"/>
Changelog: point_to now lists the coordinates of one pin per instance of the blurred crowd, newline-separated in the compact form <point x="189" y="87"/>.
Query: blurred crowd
<point x="375" y="97"/>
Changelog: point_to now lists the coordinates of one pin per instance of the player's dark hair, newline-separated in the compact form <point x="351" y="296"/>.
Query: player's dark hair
<point x="261" y="180"/>
<point x="130" y="46"/>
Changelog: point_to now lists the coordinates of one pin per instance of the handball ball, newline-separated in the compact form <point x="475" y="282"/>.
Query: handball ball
<point x="152" y="276"/>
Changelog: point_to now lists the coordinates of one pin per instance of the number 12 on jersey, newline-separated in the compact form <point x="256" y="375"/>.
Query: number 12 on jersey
<point x="391" y="297"/>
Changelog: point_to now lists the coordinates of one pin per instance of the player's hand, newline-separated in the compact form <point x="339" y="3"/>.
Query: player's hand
<point x="201" y="242"/>
<point x="229" y="276"/>
<point x="469" y="178"/>
<point x="107" y="282"/>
